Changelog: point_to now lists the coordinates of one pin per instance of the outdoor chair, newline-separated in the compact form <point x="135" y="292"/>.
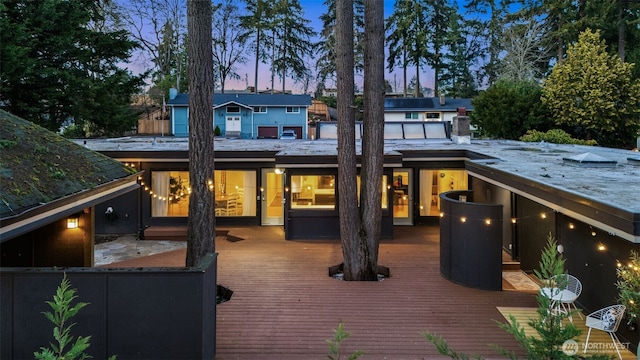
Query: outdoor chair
<point x="563" y="291"/>
<point x="606" y="319"/>
<point x="570" y="295"/>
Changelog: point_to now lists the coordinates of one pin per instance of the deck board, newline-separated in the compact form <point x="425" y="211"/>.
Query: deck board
<point x="285" y="305"/>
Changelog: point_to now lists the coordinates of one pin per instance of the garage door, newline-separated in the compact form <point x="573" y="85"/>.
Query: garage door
<point x="297" y="129"/>
<point x="267" y="132"/>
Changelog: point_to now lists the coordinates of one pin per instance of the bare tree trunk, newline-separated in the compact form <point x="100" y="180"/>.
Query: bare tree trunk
<point x="201" y="222"/>
<point x="373" y="138"/>
<point x="257" y="60"/>
<point x="273" y="57"/>
<point x="621" y="29"/>
<point x="349" y="213"/>
<point x="404" y="68"/>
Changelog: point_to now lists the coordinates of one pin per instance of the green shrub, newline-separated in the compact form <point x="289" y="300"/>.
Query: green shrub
<point x="555" y="136"/>
<point x="340" y="335"/>
<point x="63" y="311"/>
<point x="217" y="131"/>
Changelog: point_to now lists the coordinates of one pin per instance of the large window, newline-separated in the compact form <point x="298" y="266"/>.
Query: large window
<point x="170" y="193"/>
<point x="313" y="192"/>
<point x="235" y="193"/>
<point x="434" y="182"/>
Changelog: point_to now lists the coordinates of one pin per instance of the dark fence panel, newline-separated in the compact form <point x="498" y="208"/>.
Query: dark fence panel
<point x="150" y="313"/>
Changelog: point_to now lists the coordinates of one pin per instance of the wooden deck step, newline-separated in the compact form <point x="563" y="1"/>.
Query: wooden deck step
<point x="173" y="233"/>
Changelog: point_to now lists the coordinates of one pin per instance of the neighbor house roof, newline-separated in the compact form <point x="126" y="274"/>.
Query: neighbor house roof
<point x="249" y="99"/>
<point x="42" y="172"/>
<point x="425" y="104"/>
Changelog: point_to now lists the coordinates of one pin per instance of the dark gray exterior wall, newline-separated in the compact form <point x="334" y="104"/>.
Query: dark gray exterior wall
<point x="470" y="250"/>
<point x="127" y="215"/>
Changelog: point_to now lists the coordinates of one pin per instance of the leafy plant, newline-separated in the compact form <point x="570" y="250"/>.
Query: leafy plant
<point x="65" y="348"/>
<point x="554" y="136"/>
<point x="7" y="144"/>
<point x="217" y="131"/>
<point x="177" y="189"/>
<point x="628" y="285"/>
<point x="551" y="332"/>
<point x="443" y="347"/>
<point x="340" y="335"/>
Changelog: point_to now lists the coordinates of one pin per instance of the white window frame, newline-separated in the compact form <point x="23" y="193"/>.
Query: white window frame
<point x="293" y="110"/>
<point x="233" y="107"/>
<point x="260" y="109"/>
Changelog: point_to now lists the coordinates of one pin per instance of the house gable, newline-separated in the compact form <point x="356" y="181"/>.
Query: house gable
<point x="43" y="174"/>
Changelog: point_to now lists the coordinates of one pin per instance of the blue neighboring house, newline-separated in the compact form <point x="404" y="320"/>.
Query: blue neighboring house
<point x="246" y="115"/>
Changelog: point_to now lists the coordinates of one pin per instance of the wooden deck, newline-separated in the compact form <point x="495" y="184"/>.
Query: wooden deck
<point x="285" y="305"/>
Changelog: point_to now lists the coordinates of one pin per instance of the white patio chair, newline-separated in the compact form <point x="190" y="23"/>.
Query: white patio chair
<point x="563" y="291"/>
<point x="606" y="319"/>
<point x="572" y="289"/>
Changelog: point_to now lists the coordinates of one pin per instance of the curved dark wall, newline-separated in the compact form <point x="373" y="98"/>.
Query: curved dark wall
<point x="470" y="251"/>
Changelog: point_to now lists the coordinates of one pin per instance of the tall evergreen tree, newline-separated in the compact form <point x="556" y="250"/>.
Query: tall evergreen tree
<point x="292" y="36"/>
<point x="201" y="228"/>
<point x="439" y="13"/>
<point x="58" y="65"/>
<point x="326" y="47"/>
<point x="360" y="226"/>
<point x="256" y="24"/>
<point x="492" y="14"/>
<point x="372" y="142"/>
<point x="406" y="37"/>
<point x="461" y="46"/>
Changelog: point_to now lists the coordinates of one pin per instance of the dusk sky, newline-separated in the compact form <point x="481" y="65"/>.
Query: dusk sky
<point x="312" y="11"/>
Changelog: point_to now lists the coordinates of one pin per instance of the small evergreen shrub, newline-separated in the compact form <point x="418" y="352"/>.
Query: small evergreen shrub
<point x="340" y="335"/>
<point x="628" y="285"/>
<point x="64" y="348"/>
<point x="554" y="136"/>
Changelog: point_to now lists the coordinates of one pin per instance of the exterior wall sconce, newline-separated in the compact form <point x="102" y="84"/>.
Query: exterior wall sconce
<point x="72" y="222"/>
<point x="279" y="171"/>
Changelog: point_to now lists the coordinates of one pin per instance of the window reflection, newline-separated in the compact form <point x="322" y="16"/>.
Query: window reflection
<point x="313" y="192"/>
<point x="170" y="193"/>
<point x="234" y="190"/>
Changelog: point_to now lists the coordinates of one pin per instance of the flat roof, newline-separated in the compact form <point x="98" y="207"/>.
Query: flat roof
<point x="541" y="163"/>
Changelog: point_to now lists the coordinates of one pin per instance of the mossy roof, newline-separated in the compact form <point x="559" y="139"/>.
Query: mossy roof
<point x="38" y="166"/>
